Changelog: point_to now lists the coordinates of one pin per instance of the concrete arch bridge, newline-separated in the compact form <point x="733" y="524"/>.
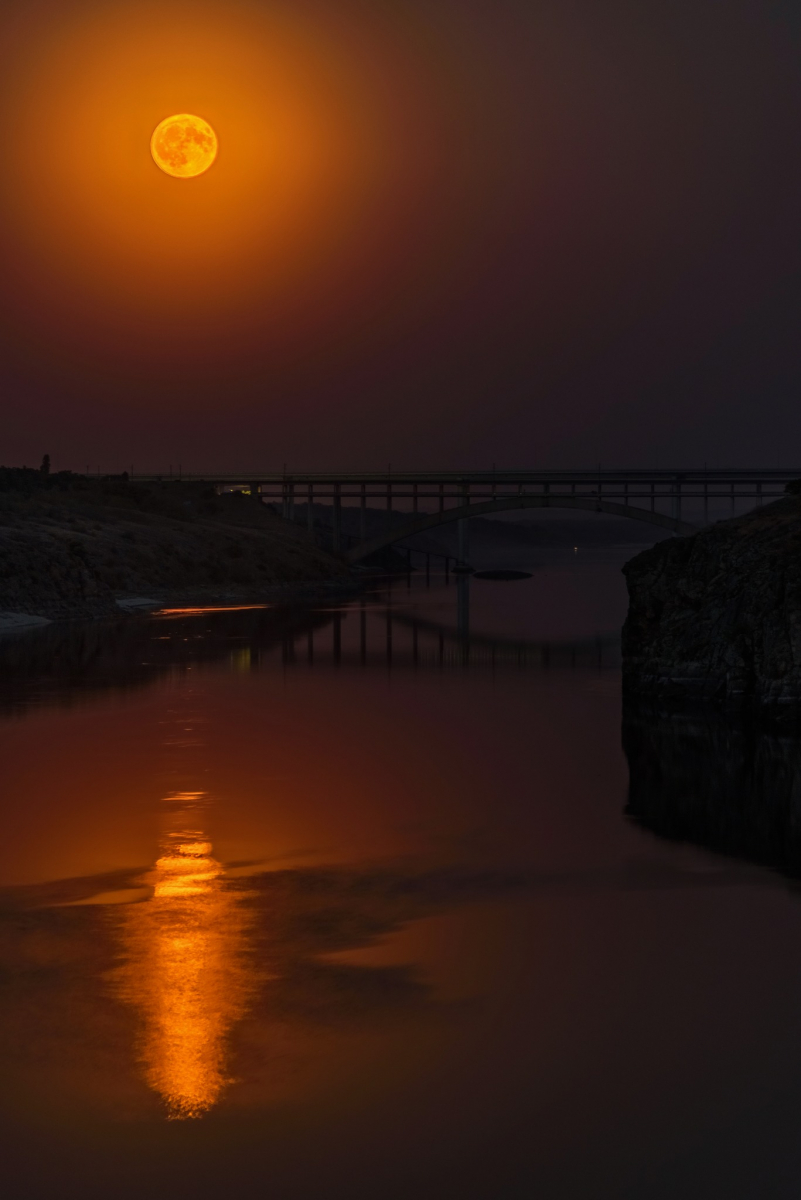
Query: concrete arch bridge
<point x="463" y="512"/>
<point x="680" y="500"/>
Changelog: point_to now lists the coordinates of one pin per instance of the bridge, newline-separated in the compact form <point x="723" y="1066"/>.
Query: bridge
<point x="427" y="499"/>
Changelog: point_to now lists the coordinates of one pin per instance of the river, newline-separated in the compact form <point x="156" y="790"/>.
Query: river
<point x="381" y="899"/>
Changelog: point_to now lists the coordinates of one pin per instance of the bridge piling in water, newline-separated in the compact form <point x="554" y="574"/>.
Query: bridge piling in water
<point x="463" y="608"/>
<point x="463" y="530"/>
<point x="362" y="633"/>
<point x="335" y="528"/>
<point x="337" y="639"/>
<point x="463" y="541"/>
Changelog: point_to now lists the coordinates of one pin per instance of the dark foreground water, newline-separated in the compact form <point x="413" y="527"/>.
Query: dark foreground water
<point x="360" y="902"/>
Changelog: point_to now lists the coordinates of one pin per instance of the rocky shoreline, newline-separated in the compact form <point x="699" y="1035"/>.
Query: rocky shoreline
<point x="77" y="548"/>
<point x="717" y="616"/>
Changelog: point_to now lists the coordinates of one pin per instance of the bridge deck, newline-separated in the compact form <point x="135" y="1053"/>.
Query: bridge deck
<point x="484" y="478"/>
<point x="638" y="493"/>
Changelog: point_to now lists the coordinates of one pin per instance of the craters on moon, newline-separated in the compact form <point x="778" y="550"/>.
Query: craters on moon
<point x="183" y="145"/>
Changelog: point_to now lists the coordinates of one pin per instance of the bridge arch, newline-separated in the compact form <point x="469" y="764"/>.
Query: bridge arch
<point x="587" y="504"/>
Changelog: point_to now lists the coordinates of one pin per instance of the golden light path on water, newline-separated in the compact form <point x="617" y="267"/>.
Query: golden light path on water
<point x="185" y="969"/>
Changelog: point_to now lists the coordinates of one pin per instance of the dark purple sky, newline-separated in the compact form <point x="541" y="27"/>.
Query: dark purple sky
<point x="554" y="233"/>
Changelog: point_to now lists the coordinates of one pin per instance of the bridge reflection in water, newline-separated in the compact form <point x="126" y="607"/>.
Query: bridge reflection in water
<point x="365" y="636"/>
<point x="185" y="967"/>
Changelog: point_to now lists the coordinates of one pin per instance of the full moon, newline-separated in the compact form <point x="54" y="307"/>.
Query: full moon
<point x="183" y="145"/>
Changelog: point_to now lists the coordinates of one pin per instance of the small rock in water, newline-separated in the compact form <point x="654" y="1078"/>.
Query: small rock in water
<point x="10" y="622"/>
<point x="503" y="575"/>
<point x="138" y="604"/>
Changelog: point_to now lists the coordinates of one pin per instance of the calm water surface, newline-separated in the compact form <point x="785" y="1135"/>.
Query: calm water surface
<point x="362" y="902"/>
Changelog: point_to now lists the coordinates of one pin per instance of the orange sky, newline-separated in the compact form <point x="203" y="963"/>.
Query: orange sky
<point x="466" y="232"/>
<point x="305" y="123"/>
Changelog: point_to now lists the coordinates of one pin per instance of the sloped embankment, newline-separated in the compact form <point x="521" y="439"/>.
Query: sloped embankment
<point x="72" y="547"/>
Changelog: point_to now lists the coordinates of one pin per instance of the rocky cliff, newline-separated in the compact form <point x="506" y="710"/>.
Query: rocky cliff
<point x="717" y="616"/>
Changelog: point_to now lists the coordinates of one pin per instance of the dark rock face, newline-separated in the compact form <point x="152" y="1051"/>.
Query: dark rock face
<point x="730" y="786"/>
<point x="717" y="616"/>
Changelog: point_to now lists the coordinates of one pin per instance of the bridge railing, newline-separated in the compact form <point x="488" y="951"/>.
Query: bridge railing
<point x="442" y="491"/>
<point x="679" y="491"/>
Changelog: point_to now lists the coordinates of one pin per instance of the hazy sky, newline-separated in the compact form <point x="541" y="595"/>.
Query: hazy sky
<point x="438" y="232"/>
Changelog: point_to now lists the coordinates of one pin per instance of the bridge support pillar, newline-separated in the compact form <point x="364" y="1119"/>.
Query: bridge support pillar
<point x="335" y="528"/>
<point x="677" y="499"/>
<point x="363" y="634"/>
<point x="463" y="609"/>
<point x="463" y="541"/>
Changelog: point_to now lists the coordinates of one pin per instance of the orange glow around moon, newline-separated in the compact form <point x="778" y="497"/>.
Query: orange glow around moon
<point x="333" y="143"/>
<point x="183" y="145"/>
